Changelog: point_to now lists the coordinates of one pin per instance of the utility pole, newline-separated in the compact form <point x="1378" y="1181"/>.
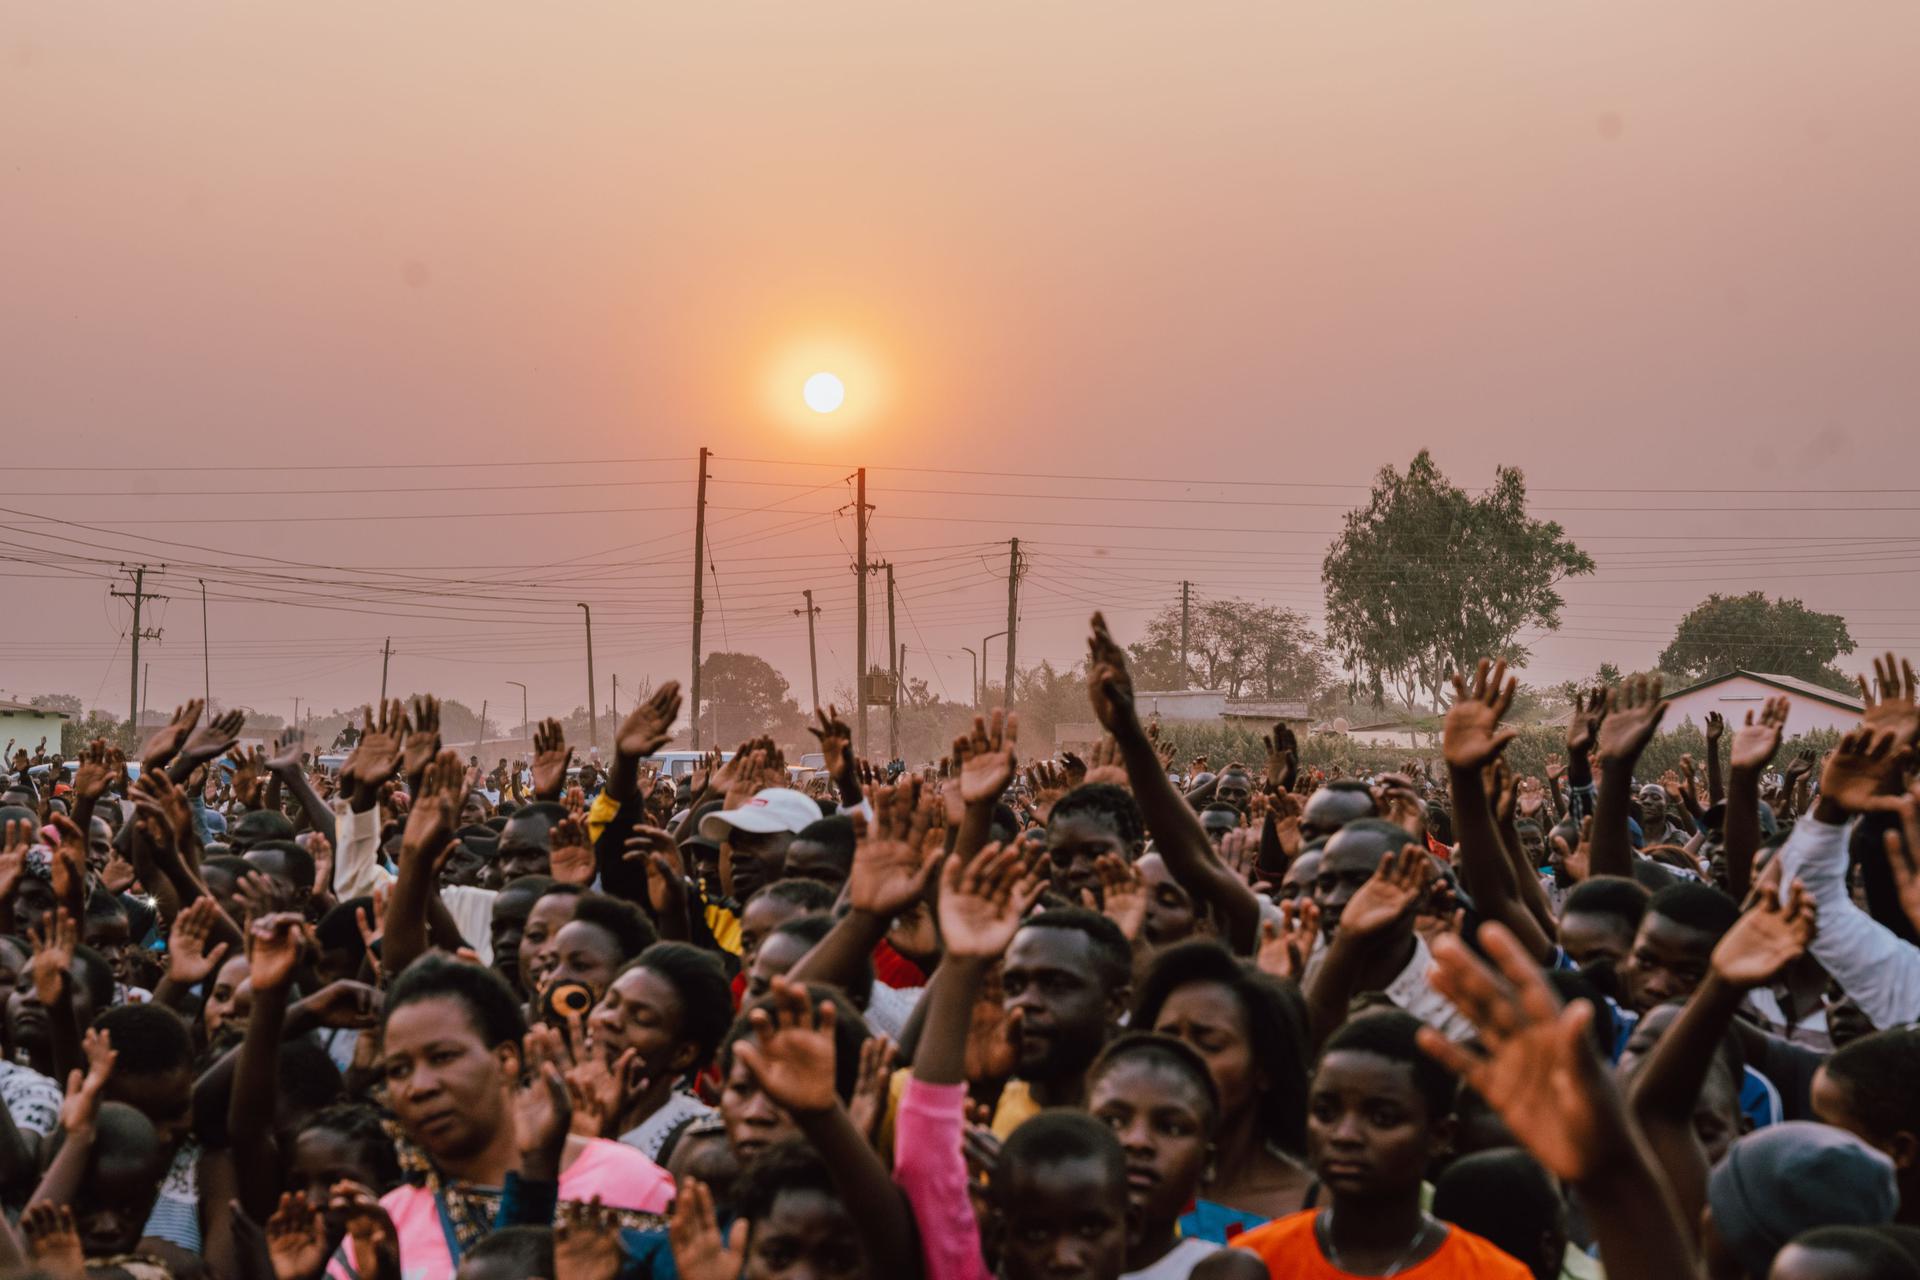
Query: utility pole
<point x="813" y="660"/>
<point x="146" y="687"/>
<point x="973" y="667"/>
<point x="139" y="595"/>
<point x="893" y="660"/>
<point x="386" y="656"/>
<point x="483" y="726"/>
<point x="206" y="657"/>
<point x="1014" y="567"/>
<point x="1186" y="627"/>
<point x="699" y="579"/>
<point x="526" y="726"/>
<point x="899" y="674"/>
<point x="982" y="695"/>
<point x="860" y="611"/>
<point x="593" y="712"/>
<point x="616" y="695"/>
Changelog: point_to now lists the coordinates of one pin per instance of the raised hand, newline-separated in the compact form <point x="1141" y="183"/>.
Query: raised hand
<point x="275" y="945"/>
<point x="436" y="810"/>
<point x="1285" y="946"/>
<point x="1633" y="714"/>
<point x="1768" y="936"/>
<point x="422" y="741"/>
<point x="53" y="1242"/>
<point x="869" y="1102"/>
<point x="1109" y="686"/>
<point x="551" y="756"/>
<point x="296" y="1238"/>
<point x="17" y="841"/>
<point x="69" y="861"/>
<point x="982" y="903"/>
<point x="378" y="753"/>
<point x="1584" y="727"/>
<point x="666" y="869"/>
<point x="693" y="1233"/>
<point x="287" y="750"/>
<point x="1576" y="861"/>
<point x="791" y="1050"/>
<point x="897" y="856"/>
<point x="649" y="726"/>
<point x="1889" y="702"/>
<point x="80" y="1108"/>
<point x="570" y="860"/>
<point x="836" y="745"/>
<point x="190" y="961"/>
<point x="52" y="961"/>
<point x="1105" y="764"/>
<point x="989" y="765"/>
<point x="1472" y="735"/>
<point x="1903" y="854"/>
<point x="212" y="740"/>
<point x="166" y="741"/>
<point x="586" y="1242"/>
<point x="1716" y="726"/>
<point x="249" y="776"/>
<point x="1283" y="757"/>
<point x="1392" y="895"/>
<point x="1857" y="772"/>
<point x="372" y="1243"/>
<point x="1539" y="1070"/>
<point x="96" y="770"/>
<point x="1755" y="742"/>
<point x="542" y="1108"/>
<point x="1123" y="894"/>
<point x="344" y="1004"/>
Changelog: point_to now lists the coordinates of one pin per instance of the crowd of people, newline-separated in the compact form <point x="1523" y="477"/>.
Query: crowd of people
<point x="1104" y="1017"/>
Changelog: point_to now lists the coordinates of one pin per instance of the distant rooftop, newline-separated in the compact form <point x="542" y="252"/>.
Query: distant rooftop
<point x="30" y="709"/>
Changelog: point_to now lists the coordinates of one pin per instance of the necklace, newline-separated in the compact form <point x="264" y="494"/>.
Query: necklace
<point x="1323" y="1228"/>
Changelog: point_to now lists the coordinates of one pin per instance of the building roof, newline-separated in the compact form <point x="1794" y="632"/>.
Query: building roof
<point x="1790" y="684"/>
<point x="1265" y="709"/>
<point x="29" y="709"/>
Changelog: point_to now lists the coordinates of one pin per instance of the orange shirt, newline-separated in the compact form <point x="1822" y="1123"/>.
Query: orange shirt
<point x="1291" y="1252"/>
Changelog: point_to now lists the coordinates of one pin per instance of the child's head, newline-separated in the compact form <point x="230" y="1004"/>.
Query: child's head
<point x="1157" y="1096"/>
<point x="785" y="946"/>
<point x="754" y="1120"/>
<point x="797" y="1223"/>
<point x="124" y="1169"/>
<point x="345" y="1142"/>
<point x="1717" y="1118"/>
<point x="509" y="1253"/>
<point x="1378" y="1109"/>
<point x="1599" y="919"/>
<point x="153" y="1067"/>
<point x="1507" y="1197"/>
<point x="1867" y="1088"/>
<point x="1086" y="822"/>
<point x="773" y="905"/>
<point x="1059" y="1196"/>
<point x="702" y="1151"/>
<point x="1674" y="944"/>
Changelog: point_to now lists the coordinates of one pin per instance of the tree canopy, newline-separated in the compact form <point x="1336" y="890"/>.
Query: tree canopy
<point x="1754" y="633"/>
<point x="745" y="696"/>
<point x="1425" y="580"/>
<point x="1249" y="650"/>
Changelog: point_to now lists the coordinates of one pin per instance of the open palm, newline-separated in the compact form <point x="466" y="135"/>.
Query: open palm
<point x="983" y="902"/>
<point x="1755" y="742"/>
<point x="1768" y="936"/>
<point x="791" y="1052"/>
<point x="1633" y="713"/>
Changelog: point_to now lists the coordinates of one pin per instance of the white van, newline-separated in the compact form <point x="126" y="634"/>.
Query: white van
<point x="678" y="764"/>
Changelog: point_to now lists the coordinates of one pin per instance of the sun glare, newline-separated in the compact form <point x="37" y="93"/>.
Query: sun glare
<point x="824" y="393"/>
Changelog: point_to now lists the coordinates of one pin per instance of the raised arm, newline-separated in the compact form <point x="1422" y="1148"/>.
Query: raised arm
<point x="1716" y="728"/>
<point x="423" y="849"/>
<point x="274" y="945"/>
<point x="893" y="865"/>
<point x="1177" y="833"/>
<point x="1633" y="714"/>
<point x="285" y="764"/>
<point x="1472" y="739"/>
<point x="1754" y="746"/>
<point x="647" y="728"/>
<point x="79" y="1113"/>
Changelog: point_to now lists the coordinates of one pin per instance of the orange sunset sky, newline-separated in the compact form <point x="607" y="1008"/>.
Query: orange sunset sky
<point x="1661" y="256"/>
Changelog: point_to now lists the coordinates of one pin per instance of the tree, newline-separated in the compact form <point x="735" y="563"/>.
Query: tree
<point x="1425" y="580"/>
<point x="1753" y="633"/>
<point x="67" y="702"/>
<point x="1249" y="650"/>
<point x="746" y="697"/>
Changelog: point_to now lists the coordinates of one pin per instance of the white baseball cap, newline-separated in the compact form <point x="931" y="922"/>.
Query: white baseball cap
<point x="774" y="809"/>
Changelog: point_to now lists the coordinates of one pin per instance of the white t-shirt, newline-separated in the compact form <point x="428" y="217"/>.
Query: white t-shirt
<point x="1177" y="1263"/>
<point x="33" y="1100"/>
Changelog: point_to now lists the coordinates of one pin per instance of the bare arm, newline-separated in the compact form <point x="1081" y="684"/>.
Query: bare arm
<point x="1633" y="714"/>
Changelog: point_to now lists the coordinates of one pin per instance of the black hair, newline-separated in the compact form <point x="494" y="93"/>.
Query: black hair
<point x="1107" y="803"/>
<point x="1276" y="1027"/>
<point x="1891" y="1251"/>
<point x="1054" y="1138"/>
<point x="19" y="944"/>
<point x="1616" y="896"/>
<point x="630" y="928"/>
<point x="1696" y="906"/>
<point x="1165" y="1051"/>
<point x="96" y="973"/>
<point x="1506" y="1197"/>
<point x="300" y="869"/>
<point x="339" y="927"/>
<point x="308" y="1078"/>
<point x="1221" y="806"/>
<point x="849" y="1033"/>
<point x="233" y="864"/>
<point x="813" y="927"/>
<point x="257" y="825"/>
<point x="536" y="885"/>
<point x="149" y="1039"/>
<point x="1878" y="1072"/>
<point x="835" y="834"/>
<point x="1391" y="1034"/>
<point x="528" y="1251"/>
<point x="792" y="1165"/>
<point x="1112" y="953"/>
<point x="361" y="1123"/>
<point x="1440" y="823"/>
<point x="491" y="1005"/>
<point x="551" y="810"/>
<point x="796" y="891"/>
<point x="563" y="889"/>
<point x="706" y="997"/>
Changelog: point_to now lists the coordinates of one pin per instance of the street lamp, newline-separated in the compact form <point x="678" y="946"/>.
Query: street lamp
<point x="974" y="671"/>
<point x="526" y="727"/>
<point x="593" y="713"/>
<point x="981" y="696"/>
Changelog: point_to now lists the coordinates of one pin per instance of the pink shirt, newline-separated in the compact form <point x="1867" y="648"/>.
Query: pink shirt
<point x="929" y="1167"/>
<point x="619" y="1175"/>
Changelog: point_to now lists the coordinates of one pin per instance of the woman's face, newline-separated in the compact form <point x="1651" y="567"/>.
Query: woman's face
<point x="776" y="955"/>
<point x="537" y="952"/>
<point x="229" y="999"/>
<point x="1170" y="914"/>
<point x="321" y="1158"/>
<point x="587" y="954"/>
<point x="754" y="1121"/>
<point x="805" y="1233"/>
<point x="448" y="1090"/>
<point x="1210" y="1018"/>
<point x="1368" y="1130"/>
<point x="1162" y="1119"/>
<point x="641" y="1011"/>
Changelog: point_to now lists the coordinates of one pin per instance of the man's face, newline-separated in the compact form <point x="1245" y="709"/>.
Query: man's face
<point x="1234" y="788"/>
<point x="806" y="1235"/>
<point x="1348" y="861"/>
<point x="1074" y="841"/>
<point x="749" y="859"/>
<point x="508" y="926"/>
<point x="811" y="860"/>
<point x="1300" y="876"/>
<point x="524" y="845"/>
<point x="1667" y="962"/>
<point x="1217" y="822"/>
<point x="1589" y="938"/>
<point x="1063" y="1220"/>
<point x="1653" y="810"/>
<point x="1051" y="982"/>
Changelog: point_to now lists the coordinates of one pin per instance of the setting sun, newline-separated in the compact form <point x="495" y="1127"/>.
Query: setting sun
<point x="824" y="393"/>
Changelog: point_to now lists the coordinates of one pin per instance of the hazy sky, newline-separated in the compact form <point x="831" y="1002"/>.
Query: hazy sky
<point x="1660" y="256"/>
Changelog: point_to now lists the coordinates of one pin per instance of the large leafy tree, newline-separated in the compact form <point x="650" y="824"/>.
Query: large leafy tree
<point x="1426" y="579"/>
<point x="1250" y="650"/>
<point x="745" y="697"/>
<point x="1750" y="631"/>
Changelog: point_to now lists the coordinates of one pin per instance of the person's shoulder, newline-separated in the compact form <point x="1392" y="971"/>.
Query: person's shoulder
<point x="1282" y="1234"/>
<point x="620" y="1175"/>
<point x="1478" y="1256"/>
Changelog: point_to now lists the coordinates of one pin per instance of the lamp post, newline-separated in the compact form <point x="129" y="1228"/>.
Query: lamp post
<point x="593" y="713"/>
<point x="974" y="671"/>
<point x="526" y="726"/>
<point x="981" y="696"/>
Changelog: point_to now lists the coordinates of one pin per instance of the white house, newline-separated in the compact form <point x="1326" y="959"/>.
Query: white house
<point x="1174" y="707"/>
<point x="1738" y="692"/>
<point x="26" y="725"/>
